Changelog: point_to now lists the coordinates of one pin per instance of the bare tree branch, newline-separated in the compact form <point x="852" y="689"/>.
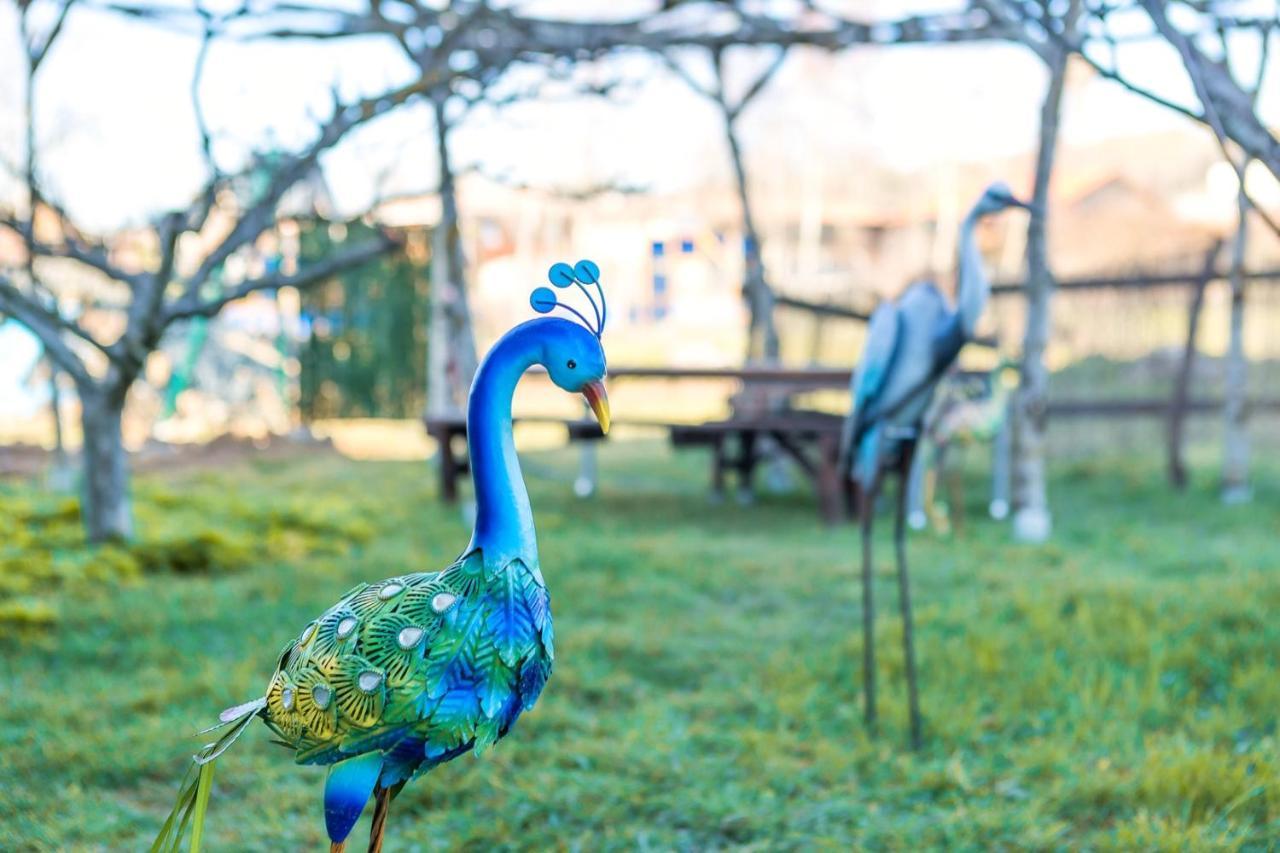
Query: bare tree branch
<point x="74" y="246"/>
<point x="1225" y="103"/>
<point x="504" y="34"/>
<point x="47" y="326"/>
<point x="1228" y="109"/>
<point x="36" y="53"/>
<point x="319" y="271"/>
<point x="295" y="167"/>
<point x="759" y="83"/>
<point x="688" y="79"/>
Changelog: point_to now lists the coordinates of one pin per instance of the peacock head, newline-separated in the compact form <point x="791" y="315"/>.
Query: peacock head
<point x="572" y="352"/>
<point x="996" y="198"/>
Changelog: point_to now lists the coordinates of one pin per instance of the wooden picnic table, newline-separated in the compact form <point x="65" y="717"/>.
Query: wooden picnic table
<point x="810" y="438"/>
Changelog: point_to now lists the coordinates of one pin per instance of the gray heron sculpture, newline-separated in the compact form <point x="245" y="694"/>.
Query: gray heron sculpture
<point x="911" y="342"/>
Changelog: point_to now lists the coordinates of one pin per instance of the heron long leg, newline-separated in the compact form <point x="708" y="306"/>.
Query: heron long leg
<point x="381" y="804"/>
<point x="904" y="595"/>
<point x="866" y="506"/>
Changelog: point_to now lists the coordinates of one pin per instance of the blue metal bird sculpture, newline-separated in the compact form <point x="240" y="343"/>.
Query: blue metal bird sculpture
<point x="910" y="344"/>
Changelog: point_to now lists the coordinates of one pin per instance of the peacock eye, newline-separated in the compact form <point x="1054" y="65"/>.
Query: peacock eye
<point x="571" y="364"/>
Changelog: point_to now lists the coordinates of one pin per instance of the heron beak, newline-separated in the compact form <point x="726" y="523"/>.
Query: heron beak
<point x="598" y="400"/>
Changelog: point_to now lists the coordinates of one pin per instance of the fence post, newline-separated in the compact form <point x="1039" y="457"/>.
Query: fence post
<point x="1182" y="381"/>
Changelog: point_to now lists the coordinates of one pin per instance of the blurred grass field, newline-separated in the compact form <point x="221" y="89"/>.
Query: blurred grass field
<point x="1116" y="689"/>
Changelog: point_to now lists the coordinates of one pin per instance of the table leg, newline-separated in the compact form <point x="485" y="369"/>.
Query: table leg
<point x="830" y="499"/>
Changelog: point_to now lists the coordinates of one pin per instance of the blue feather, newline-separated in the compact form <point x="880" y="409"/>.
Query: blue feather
<point x="510" y="621"/>
<point x="346" y="790"/>
<point x="533" y="677"/>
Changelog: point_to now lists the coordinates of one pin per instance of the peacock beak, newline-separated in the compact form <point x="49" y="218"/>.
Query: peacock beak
<point x="598" y="400"/>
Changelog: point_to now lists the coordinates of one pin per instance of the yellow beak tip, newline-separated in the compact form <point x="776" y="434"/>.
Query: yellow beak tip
<point x="599" y="402"/>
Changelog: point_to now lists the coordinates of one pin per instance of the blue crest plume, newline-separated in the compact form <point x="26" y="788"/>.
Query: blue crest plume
<point x="584" y="272"/>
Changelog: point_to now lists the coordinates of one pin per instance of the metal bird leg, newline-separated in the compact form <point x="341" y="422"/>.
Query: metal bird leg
<point x="866" y="509"/>
<point x="378" y="830"/>
<point x="904" y="592"/>
<point x="337" y="846"/>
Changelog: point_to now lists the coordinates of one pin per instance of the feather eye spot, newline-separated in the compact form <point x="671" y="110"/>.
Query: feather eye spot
<point x="442" y="601"/>
<point x="369" y="681"/>
<point x="286" y="698"/>
<point x="321" y="695"/>
<point x="346" y="627"/>
<point x="307" y="634"/>
<point x="409" y="637"/>
<point x="390" y="591"/>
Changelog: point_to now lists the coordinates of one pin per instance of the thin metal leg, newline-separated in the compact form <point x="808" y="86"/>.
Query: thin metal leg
<point x="904" y="597"/>
<point x="916" y="492"/>
<point x="866" y="506"/>
<point x="378" y="830"/>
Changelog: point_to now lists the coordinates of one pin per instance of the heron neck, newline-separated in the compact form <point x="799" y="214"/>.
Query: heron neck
<point x="504" y="521"/>
<point x="972" y="287"/>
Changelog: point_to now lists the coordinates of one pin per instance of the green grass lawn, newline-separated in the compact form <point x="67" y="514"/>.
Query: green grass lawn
<point x="1117" y="688"/>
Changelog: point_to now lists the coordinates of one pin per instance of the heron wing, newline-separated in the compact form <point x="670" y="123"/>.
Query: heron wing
<point x="872" y="370"/>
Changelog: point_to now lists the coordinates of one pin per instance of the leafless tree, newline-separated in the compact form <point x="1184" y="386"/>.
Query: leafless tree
<point x="35" y="47"/>
<point x="1032" y="521"/>
<point x="476" y="38"/>
<point x="1235" y="435"/>
<point x="175" y="284"/>
<point x="1226" y="104"/>
<point x="762" y="338"/>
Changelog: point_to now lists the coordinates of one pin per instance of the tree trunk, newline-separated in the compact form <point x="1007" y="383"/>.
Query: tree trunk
<point x="762" y="337"/>
<point x="1032" y="521"/>
<point x="762" y="333"/>
<point x="105" y="506"/>
<point x="61" y="476"/>
<point x="451" y="347"/>
<point x="1235" y="439"/>
<point x="1182" y="381"/>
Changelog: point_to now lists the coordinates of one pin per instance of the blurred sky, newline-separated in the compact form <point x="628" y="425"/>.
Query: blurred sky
<point x="116" y="123"/>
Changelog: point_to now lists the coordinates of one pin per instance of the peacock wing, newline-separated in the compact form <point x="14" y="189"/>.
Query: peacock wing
<point x="418" y="666"/>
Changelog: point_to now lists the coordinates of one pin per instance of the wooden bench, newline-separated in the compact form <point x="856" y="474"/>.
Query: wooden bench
<point x="763" y="412"/>
<point x="450" y="434"/>
<point x="810" y="439"/>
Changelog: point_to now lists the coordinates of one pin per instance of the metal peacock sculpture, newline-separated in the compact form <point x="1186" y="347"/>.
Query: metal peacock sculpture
<point x="911" y="342"/>
<point x="409" y="672"/>
<point x="969" y="412"/>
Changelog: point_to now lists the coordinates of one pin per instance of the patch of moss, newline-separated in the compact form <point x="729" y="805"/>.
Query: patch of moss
<point x="207" y="526"/>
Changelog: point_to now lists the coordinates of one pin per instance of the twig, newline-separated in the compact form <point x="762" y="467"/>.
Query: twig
<point x="190" y="306"/>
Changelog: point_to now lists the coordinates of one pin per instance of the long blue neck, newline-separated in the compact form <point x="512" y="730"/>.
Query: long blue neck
<point x="972" y="287"/>
<point x="504" y="521"/>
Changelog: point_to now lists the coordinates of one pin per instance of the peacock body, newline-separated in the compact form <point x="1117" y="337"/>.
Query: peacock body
<point x="402" y="675"/>
<point x="429" y="665"/>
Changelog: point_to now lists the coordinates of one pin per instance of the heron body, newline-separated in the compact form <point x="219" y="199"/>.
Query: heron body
<point x="406" y="673"/>
<point x="911" y="342"/>
<point x="907" y="340"/>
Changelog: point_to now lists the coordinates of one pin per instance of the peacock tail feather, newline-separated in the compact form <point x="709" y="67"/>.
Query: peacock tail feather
<point x="193" y="793"/>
